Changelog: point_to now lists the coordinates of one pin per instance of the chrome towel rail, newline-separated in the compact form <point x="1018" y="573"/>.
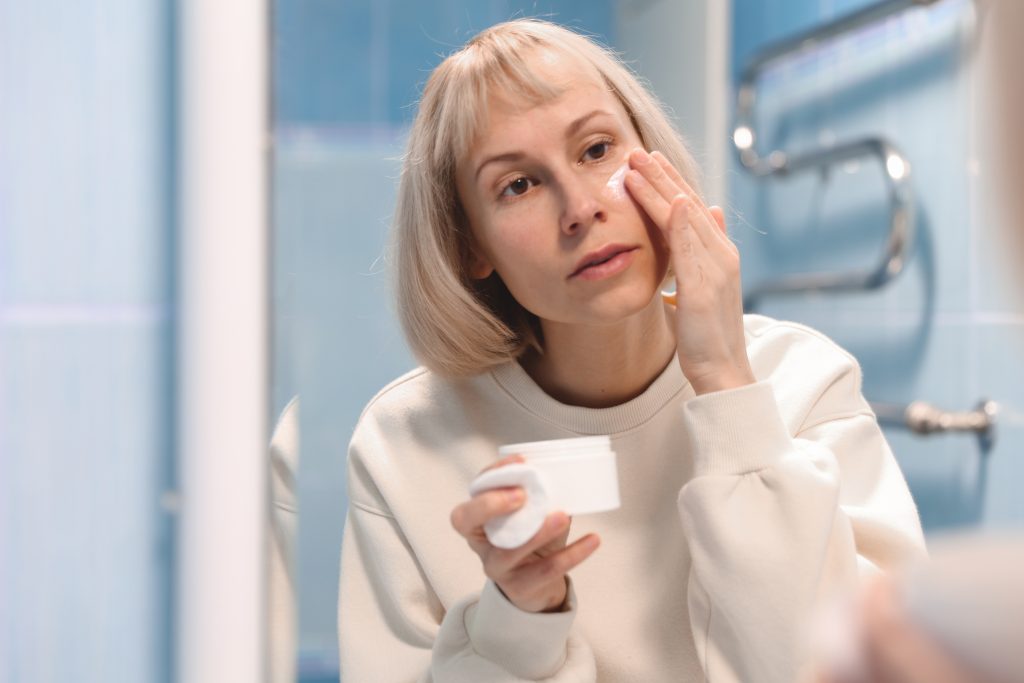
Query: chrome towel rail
<point x="744" y="133"/>
<point x="780" y="163"/>
<point x="896" y="171"/>
<point x="919" y="417"/>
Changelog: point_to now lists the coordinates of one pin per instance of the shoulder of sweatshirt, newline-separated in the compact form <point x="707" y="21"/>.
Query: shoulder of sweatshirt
<point x="421" y="415"/>
<point x="379" y="441"/>
<point x="418" y="394"/>
<point x="404" y="385"/>
<point x="813" y="377"/>
<point x="423" y="425"/>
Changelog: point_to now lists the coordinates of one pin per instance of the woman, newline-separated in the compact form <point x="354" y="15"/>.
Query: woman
<point x="754" y="478"/>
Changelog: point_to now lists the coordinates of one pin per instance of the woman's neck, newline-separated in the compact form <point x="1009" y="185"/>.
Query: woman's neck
<point x="598" y="367"/>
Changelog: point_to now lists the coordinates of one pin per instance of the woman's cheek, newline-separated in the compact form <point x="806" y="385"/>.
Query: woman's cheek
<point x="615" y="188"/>
<point x="519" y="252"/>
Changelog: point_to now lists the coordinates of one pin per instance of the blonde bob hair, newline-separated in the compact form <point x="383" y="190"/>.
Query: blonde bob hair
<point x="458" y="326"/>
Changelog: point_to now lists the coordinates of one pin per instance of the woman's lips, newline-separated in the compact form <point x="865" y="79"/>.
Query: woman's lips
<point x="616" y="264"/>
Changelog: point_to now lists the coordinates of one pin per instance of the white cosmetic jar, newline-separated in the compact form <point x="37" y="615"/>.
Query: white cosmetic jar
<point x="577" y="476"/>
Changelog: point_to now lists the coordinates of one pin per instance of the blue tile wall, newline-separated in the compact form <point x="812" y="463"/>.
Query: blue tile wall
<point x="85" y="340"/>
<point x="950" y="330"/>
<point x="364" y="63"/>
<point x="345" y="344"/>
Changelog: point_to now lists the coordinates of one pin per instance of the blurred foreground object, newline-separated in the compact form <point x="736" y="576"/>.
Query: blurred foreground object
<point x="954" y="619"/>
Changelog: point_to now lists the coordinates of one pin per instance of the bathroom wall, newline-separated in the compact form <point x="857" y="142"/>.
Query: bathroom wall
<point x="85" y="340"/>
<point x="347" y="77"/>
<point x="950" y="329"/>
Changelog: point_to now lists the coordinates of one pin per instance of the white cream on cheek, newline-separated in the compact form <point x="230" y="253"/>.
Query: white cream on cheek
<point x="615" y="188"/>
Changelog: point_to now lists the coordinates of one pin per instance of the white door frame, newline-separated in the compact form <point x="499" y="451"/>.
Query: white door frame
<point x="223" y="341"/>
<point x="683" y="49"/>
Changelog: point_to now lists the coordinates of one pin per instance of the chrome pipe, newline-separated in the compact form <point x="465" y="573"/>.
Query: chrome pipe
<point x="924" y="418"/>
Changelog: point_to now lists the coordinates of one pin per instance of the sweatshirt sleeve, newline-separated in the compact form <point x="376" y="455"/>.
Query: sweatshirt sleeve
<point x="392" y="626"/>
<point x="777" y="522"/>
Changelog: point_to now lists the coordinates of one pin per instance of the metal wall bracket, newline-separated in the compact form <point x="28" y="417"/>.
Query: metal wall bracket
<point x="925" y="419"/>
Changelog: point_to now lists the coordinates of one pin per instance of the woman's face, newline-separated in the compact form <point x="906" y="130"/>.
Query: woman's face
<point x="536" y="189"/>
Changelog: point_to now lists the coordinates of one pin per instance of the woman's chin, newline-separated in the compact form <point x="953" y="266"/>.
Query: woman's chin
<point x="618" y="304"/>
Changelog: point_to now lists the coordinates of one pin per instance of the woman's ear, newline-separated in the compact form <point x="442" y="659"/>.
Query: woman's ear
<point x="480" y="267"/>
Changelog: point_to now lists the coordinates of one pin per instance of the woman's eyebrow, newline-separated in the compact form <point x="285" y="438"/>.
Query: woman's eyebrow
<point x="575" y="126"/>
<point x="570" y="130"/>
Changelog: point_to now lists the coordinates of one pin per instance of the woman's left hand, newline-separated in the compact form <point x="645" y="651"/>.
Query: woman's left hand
<point x="712" y="349"/>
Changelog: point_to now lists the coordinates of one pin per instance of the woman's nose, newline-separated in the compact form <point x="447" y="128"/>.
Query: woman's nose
<point x="582" y="207"/>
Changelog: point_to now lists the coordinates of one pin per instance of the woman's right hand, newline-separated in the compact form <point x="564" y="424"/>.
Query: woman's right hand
<point x="531" y="576"/>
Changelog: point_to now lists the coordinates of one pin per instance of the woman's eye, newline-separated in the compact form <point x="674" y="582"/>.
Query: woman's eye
<point x="601" y="149"/>
<point x="517" y="187"/>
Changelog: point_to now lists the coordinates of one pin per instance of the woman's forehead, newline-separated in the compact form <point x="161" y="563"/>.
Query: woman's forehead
<point x="545" y="85"/>
<point x="562" y="71"/>
<point x="513" y="123"/>
<point x="578" y="87"/>
<point x="575" y="96"/>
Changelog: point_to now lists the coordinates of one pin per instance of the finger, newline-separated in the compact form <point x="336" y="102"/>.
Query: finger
<point x="721" y="229"/>
<point x="661" y="212"/>
<point x="502" y="561"/>
<point x="672" y="171"/>
<point x="677" y="177"/>
<point x="469" y="517"/>
<point x="714" y="212"/>
<point x="707" y="229"/>
<point x="680" y="245"/>
<point x="558" y="564"/>
<point x="683" y="242"/>
<point x="650" y="200"/>
<point x="654" y="173"/>
<point x="691" y="261"/>
<point x="900" y="651"/>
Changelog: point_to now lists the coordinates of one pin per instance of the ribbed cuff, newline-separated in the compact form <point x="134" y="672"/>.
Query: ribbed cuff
<point x="529" y="645"/>
<point x="736" y="430"/>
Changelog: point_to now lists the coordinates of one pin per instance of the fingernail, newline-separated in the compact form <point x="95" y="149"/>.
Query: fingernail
<point x="640" y="156"/>
<point x="516" y="496"/>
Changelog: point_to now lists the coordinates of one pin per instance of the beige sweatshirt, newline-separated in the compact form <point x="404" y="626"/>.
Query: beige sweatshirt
<point x="741" y="510"/>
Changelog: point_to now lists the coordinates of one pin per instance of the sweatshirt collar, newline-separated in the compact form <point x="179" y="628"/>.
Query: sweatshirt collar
<point x="518" y="384"/>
